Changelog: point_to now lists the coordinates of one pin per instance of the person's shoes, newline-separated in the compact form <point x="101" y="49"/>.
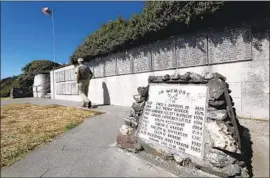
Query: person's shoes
<point x="89" y="104"/>
<point x="84" y="105"/>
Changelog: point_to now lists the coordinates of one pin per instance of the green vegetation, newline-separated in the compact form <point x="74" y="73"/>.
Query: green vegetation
<point x="25" y="80"/>
<point x="7" y="84"/>
<point x="162" y="19"/>
<point x="72" y="125"/>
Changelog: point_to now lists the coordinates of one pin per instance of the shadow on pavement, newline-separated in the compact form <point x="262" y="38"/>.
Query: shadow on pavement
<point x="247" y="150"/>
<point x="94" y="106"/>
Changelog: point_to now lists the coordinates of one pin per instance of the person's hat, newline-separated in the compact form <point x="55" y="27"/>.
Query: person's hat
<point x="80" y="60"/>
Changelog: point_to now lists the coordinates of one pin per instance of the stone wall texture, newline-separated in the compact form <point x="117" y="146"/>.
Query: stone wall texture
<point x="239" y="54"/>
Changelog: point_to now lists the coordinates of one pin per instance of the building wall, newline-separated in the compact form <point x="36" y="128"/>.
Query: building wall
<point x="239" y="54"/>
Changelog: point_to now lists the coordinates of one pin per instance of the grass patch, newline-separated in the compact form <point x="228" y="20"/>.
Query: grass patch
<point x="26" y="126"/>
<point x="72" y="125"/>
<point x="6" y="98"/>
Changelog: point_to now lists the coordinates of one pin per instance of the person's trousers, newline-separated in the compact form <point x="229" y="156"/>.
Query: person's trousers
<point x="83" y="86"/>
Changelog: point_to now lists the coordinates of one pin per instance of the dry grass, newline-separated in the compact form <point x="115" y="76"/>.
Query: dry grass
<point x="25" y="126"/>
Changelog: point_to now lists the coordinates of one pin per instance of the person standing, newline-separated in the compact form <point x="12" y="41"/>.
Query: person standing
<point x="84" y="75"/>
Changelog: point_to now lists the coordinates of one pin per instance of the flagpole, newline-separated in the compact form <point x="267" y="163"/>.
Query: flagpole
<point x="54" y="55"/>
<point x="50" y="12"/>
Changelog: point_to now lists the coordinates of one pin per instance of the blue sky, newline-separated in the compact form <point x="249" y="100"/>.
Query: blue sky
<point x="26" y="34"/>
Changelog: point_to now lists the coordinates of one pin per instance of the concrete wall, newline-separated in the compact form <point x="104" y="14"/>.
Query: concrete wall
<point x="245" y="64"/>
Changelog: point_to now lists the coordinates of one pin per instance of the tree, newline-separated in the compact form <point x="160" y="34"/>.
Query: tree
<point x="141" y="28"/>
<point x="34" y="68"/>
<point x="26" y="79"/>
<point x="162" y="19"/>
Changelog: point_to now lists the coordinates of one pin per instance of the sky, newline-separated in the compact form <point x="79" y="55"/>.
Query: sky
<point x="26" y="33"/>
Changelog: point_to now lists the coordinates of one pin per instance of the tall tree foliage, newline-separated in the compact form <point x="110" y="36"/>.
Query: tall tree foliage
<point x="34" y="68"/>
<point x="26" y="79"/>
<point x="156" y="16"/>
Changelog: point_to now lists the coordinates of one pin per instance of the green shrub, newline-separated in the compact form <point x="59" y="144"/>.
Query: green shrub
<point x="7" y="84"/>
<point x="26" y="79"/>
<point x="162" y="19"/>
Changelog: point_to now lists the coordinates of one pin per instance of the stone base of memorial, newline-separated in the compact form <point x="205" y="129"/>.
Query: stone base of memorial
<point x="188" y="118"/>
<point x="127" y="133"/>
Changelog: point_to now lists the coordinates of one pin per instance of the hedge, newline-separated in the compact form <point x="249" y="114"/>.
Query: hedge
<point x="162" y="19"/>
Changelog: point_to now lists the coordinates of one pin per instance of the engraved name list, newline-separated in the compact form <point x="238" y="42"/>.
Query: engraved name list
<point x="174" y="117"/>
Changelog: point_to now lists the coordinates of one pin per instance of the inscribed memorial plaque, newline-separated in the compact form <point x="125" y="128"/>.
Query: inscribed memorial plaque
<point x="57" y="77"/>
<point x="73" y="75"/>
<point x="67" y="74"/>
<point x="110" y="65"/>
<point x="61" y="76"/>
<point x="98" y="68"/>
<point x="124" y="64"/>
<point x="191" y="51"/>
<point x="174" y="117"/>
<point x="163" y="55"/>
<point x="260" y="45"/>
<point x="74" y="88"/>
<point x="57" y="89"/>
<point x="91" y="66"/>
<point x="230" y="45"/>
<point x="68" y="89"/>
<point x="141" y="59"/>
<point x="62" y="88"/>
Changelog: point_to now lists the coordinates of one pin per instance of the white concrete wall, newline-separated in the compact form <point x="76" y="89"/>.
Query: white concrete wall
<point x="248" y="80"/>
<point x="251" y="97"/>
<point x="54" y="95"/>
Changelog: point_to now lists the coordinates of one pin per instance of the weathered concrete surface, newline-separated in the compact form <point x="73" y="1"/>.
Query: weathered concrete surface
<point x="85" y="151"/>
<point x="250" y="75"/>
<point x="248" y="80"/>
<point x="80" y="152"/>
<point x="259" y="133"/>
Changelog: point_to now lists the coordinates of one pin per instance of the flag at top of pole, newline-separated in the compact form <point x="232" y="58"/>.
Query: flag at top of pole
<point x="46" y="11"/>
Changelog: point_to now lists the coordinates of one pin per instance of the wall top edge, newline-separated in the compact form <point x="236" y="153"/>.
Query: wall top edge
<point x="64" y="68"/>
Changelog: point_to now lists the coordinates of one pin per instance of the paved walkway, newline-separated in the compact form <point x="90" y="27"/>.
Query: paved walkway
<point x="89" y="151"/>
<point x="85" y="151"/>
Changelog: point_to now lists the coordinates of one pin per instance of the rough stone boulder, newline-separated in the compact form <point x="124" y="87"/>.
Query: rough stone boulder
<point x="223" y="154"/>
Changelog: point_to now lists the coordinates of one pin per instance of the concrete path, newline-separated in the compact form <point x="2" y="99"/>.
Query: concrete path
<point x="88" y="150"/>
<point x="259" y="136"/>
<point x="85" y="151"/>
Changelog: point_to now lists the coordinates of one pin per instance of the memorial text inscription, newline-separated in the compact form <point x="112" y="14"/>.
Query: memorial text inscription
<point x="91" y="65"/>
<point x="73" y="75"/>
<point x="74" y="88"/>
<point x="58" y="89"/>
<point x="68" y="74"/>
<point x="124" y="64"/>
<point x="110" y="65"/>
<point x="191" y="51"/>
<point x="68" y="88"/>
<point x="174" y="117"/>
<point x="163" y="55"/>
<point x="61" y="76"/>
<point x="231" y="45"/>
<point x="141" y="59"/>
<point x="98" y="68"/>
<point x="57" y="79"/>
